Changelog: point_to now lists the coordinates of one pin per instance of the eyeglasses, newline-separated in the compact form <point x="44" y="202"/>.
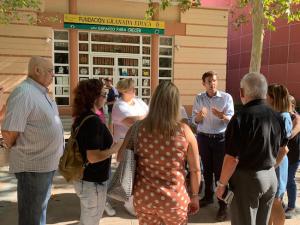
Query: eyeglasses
<point x="50" y="70"/>
<point x="103" y="94"/>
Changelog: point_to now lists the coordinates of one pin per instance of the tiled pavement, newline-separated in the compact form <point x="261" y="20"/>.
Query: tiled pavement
<point x="64" y="209"/>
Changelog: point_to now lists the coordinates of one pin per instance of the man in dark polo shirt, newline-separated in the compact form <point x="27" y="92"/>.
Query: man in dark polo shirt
<point x="253" y="137"/>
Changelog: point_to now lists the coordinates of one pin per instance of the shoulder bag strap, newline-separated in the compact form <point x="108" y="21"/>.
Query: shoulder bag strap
<point x="75" y="135"/>
<point x="82" y="122"/>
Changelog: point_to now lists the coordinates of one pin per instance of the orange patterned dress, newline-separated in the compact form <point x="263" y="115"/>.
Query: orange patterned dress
<point x="160" y="194"/>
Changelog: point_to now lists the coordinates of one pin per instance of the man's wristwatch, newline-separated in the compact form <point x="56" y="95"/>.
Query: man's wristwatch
<point x="219" y="184"/>
<point x="4" y="145"/>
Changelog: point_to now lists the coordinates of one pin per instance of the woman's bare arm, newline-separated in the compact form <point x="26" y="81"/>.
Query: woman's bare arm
<point x="193" y="159"/>
<point x="94" y="156"/>
<point x="124" y="145"/>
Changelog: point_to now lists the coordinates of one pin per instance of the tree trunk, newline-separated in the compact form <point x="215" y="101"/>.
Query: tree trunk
<point x="257" y="35"/>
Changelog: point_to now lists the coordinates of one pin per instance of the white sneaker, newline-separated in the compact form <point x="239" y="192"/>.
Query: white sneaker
<point x="109" y="210"/>
<point x="129" y="206"/>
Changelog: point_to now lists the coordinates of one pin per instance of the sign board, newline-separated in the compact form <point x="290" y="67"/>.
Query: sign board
<point x="113" y="24"/>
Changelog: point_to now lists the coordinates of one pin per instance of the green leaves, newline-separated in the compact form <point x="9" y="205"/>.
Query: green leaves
<point x="272" y="10"/>
<point x="9" y="9"/>
<point x="183" y="5"/>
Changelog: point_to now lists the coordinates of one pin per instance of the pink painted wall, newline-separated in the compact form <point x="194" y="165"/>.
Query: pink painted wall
<point x="215" y="3"/>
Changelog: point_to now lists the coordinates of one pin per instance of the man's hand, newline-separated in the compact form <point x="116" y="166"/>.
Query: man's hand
<point x="218" y="113"/>
<point x="220" y="191"/>
<point x="9" y="137"/>
<point x="201" y="115"/>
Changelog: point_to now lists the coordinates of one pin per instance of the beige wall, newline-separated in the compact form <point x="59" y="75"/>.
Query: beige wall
<point x="17" y="44"/>
<point x="110" y="8"/>
<point x="56" y="6"/>
<point x="203" y="48"/>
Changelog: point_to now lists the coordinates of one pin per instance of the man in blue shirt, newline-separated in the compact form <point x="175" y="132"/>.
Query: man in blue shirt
<point x="212" y="111"/>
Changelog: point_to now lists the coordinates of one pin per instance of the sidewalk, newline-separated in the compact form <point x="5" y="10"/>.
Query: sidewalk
<point x="63" y="208"/>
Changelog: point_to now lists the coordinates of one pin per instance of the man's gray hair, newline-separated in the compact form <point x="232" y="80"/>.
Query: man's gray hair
<point x="254" y="85"/>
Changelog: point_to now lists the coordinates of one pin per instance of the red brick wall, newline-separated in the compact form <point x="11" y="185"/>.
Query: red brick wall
<point x="280" y="58"/>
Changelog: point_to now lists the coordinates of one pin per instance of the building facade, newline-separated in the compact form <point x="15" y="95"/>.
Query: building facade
<point x="98" y="39"/>
<point x="280" y="55"/>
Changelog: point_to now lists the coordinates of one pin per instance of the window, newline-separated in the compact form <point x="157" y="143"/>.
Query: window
<point x="117" y="56"/>
<point x="61" y="67"/>
<point x="165" y="59"/>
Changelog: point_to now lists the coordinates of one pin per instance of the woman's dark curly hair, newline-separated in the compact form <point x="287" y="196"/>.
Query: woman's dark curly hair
<point x="86" y="93"/>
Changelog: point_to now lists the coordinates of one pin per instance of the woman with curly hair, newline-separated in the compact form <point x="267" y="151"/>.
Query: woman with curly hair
<point x="95" y="145"/>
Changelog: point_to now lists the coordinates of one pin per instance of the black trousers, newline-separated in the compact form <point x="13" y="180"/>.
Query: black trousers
<point x="212" y="151"/>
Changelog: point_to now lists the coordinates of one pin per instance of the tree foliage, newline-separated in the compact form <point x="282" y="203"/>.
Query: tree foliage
<point x="264" y="14"/>
<point x="272" y="10"/>
<point x="183" y="5"/>
<point x="10" y="9"/>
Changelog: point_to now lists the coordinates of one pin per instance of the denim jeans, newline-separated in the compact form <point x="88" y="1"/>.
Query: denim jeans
<point x="92" y="201"/>
<point x="34" y="190"/>
<point x="291" y="185"/>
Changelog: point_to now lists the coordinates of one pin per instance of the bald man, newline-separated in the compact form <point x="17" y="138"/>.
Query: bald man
<point x="33" y="133"/>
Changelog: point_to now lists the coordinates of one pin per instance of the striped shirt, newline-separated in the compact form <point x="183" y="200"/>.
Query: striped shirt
<point x="211" y="124"/>
<point x="32" y="113"/>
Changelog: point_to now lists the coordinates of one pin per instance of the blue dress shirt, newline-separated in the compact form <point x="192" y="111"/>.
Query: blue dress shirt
<point x="211" y="124"/>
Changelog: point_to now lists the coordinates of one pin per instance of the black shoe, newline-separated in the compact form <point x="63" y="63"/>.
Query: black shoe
<point x="205" y="201"/>
<point x="290" y="213"/>
<point x="221" y="215"/>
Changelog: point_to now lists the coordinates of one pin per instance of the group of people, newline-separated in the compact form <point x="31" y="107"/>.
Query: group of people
<point x="256" y="147"/>
<point x="255" y="165"/>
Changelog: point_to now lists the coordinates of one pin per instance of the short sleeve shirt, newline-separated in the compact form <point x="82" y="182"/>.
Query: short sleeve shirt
<point x="254" y="135"/>
<point x="94" y="135"/>
<point x="122" y="110"/>
<point x="32" y="113"/>
<point x="288" y="125"/>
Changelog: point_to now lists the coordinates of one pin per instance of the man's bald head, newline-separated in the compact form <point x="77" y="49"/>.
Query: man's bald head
<point x="41" y="70"/>
<point x="35" y="61"/>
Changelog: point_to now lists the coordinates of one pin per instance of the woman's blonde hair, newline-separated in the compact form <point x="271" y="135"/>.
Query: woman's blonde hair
<point x="125" y="84"/>
<point x="293" y="103"/>
<point x="163" y="115"/>
<point x="280" y="97"/>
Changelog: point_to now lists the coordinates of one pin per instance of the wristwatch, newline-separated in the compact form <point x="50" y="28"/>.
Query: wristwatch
<point x="4" y="145"/>
<point x="219" y="184"/>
